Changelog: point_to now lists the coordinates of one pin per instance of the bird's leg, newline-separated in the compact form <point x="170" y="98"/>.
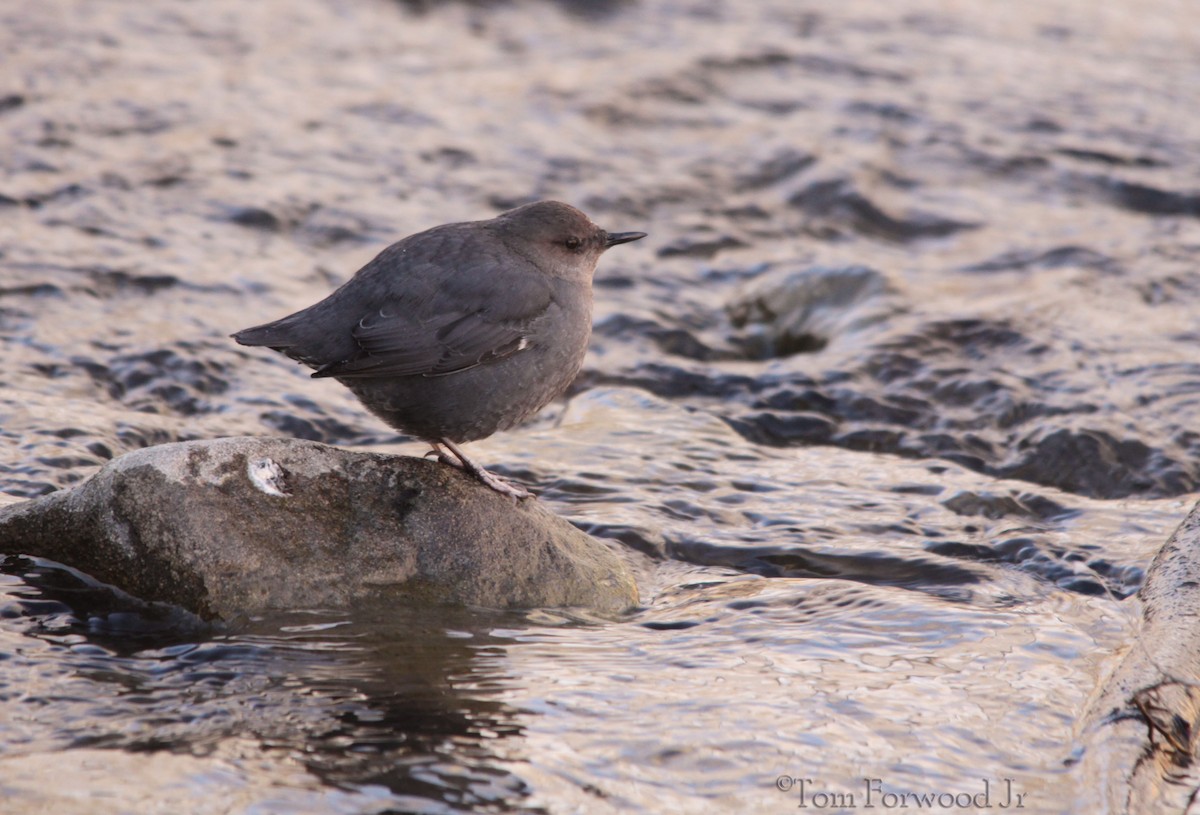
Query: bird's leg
<point x="441" y="456"/>
<point x="494" y="481"/>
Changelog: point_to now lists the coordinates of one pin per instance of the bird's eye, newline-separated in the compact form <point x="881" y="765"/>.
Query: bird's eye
<point x="573" y="243"/>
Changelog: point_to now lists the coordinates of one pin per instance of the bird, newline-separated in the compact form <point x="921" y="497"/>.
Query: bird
<point x="458" y="332"/>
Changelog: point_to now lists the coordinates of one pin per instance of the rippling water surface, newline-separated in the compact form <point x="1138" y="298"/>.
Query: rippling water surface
<point x="888" y="415"/>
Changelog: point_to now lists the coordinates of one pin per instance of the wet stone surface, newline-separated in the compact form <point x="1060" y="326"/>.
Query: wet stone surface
<point x="237" y="527"/>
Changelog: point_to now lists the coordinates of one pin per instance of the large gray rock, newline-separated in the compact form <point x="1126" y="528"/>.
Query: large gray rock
<point x="240" y="525"/>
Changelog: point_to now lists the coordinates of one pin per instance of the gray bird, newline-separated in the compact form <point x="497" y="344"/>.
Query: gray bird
<point x="457" y="332"/>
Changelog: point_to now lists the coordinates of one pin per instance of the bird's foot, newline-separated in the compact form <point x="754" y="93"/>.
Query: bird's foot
<point x="492" y="480"/>
<point x="501" y="485"/>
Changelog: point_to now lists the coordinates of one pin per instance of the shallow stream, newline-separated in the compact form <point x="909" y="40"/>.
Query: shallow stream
<point x="889" y="413"/>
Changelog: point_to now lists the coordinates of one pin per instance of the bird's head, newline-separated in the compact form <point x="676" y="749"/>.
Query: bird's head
<point x="558" y="238"/>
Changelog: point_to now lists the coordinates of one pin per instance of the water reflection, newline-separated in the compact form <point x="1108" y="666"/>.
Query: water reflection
<point x="403" y="700"/>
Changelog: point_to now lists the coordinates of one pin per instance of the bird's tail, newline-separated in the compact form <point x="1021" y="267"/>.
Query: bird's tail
<point x="278" y="335"/>
<point x="305" y="336"/>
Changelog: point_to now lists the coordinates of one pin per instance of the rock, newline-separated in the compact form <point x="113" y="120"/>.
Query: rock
<point x="237" y="526"/>
<point x="1140" y="733"/>
<point x="789" y="310"/>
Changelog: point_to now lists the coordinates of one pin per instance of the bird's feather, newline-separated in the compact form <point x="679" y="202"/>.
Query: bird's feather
<point x="438" y="319"/>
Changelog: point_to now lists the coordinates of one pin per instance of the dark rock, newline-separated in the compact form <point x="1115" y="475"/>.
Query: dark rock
<point x="236" y="526"/>
<point x="789" y="310"/>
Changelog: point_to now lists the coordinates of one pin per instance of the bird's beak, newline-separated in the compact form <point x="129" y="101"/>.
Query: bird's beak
<point x="613" y="238"/>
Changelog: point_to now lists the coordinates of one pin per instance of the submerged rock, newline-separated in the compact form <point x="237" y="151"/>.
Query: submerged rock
<point x="239" y="525"/>
<point x="791" y="310"/>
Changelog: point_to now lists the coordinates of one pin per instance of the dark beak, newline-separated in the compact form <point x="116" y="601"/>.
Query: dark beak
<point x="613" y="238"/>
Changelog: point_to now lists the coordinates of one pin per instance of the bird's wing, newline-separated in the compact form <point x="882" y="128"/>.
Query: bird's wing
<point x="478" y="313"/>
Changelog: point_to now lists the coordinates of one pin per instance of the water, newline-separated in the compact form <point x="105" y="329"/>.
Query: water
<point x="889" y="414"/>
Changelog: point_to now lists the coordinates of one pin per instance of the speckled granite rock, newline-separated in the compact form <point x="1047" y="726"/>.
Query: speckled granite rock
<point x="239" y="525"/>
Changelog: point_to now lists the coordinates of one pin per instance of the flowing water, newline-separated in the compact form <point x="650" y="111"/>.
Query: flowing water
<point x="888" y="414"/>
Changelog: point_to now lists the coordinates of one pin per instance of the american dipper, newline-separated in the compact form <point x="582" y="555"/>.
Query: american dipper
<point x="459" y="331"/>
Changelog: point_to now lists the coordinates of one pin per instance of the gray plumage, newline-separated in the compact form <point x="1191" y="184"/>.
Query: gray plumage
<point x="455" y="333"/>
